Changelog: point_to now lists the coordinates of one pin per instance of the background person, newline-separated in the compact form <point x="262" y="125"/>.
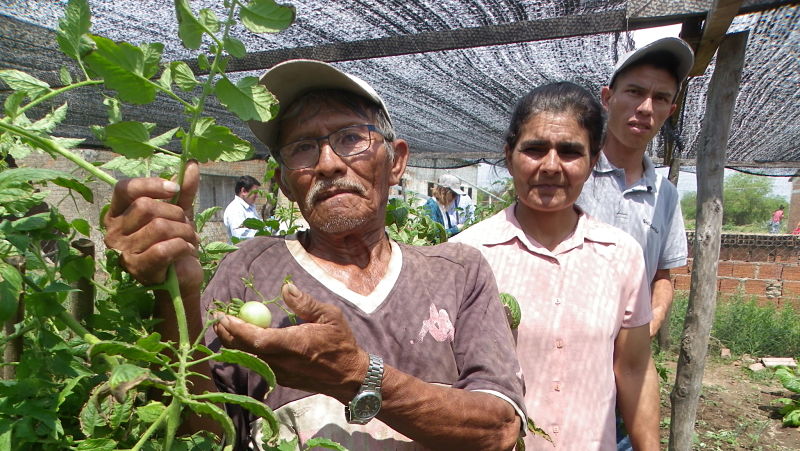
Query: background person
<point x="385" y="358"/>
<point x="583" y="340"/>
<point x="450" y="205"/>
<point x="243" y="206"/>
<point x="775" y="222"/>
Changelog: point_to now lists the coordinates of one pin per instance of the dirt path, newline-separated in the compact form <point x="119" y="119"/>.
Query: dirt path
<point x="736" y="410"/>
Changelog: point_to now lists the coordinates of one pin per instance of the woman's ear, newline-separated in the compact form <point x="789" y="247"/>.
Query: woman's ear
<point x="507" y="152"/>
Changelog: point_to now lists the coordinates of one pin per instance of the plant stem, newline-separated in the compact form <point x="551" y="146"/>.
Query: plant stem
<point x="58" y="92"/>
<point x="53" y="147"/>
<point x="150" y="430"/>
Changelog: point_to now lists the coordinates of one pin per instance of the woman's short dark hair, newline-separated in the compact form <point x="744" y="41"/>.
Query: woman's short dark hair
<point x="560" y="97"/>
<point x="245" y="183"/>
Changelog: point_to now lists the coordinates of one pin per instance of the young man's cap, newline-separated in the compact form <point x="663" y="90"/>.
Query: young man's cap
<point x="675" y="46"/>
<point x="451" y="182"/>
<point x="291" y="79"/>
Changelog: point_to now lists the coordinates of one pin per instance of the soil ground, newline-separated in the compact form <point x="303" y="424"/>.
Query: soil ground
<point x="736" y="409"/>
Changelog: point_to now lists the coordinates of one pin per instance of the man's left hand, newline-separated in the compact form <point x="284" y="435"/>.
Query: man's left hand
<point x="319" y="356"/>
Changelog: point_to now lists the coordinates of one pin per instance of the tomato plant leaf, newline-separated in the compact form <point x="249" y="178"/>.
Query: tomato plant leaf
<point x="247" y="360"/>
<point x="247" y="99"/>
<point x="266" y="16"/>
<point x="255" y="407"/>
<point x="206" y="408"/>
<point x="209" y="19"/>
<point x="50" y="120"/>
<point x="72" y="29"/>
<point x="74" y="185"/>
<point x="97" y="444"/>
<point x="189" y="29"/>
<point x="12" y="103"/>
<point x="22" y="82"/>
<point x="31" y="223"/>
<point x="126" y="68"/>
<point x="126" y="373"/>
<point x="200" y="219"/>
<point x="150" y="412"/>
<point x="10" y="289"/>
<point x="183" y="76"/>
<point x="234" y="46"/>
<point x="215" y="142"/>
<point x="64" y="76"/>
<point x="76" y="267"/>
<point x="125" y="350"/>
<point x="129" y="139"/>
<point x="219" y="247"/>
<point x="320" y="442"/>
<point x="82" y="226"/>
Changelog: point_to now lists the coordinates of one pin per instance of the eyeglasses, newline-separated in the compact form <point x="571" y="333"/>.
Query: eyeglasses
<point x="346" y="142"/>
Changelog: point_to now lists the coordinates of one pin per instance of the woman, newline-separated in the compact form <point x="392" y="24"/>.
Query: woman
<point x="450" y="206"/>
<point x="583" y="343"/>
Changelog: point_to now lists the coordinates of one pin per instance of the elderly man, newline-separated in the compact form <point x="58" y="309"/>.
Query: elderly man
<point x="400" y="347"/>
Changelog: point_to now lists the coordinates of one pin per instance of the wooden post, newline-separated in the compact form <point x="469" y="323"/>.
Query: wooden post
<point x="711" y="160"/>
<point x="13" y="349"/>
<point x="81" y="303"/>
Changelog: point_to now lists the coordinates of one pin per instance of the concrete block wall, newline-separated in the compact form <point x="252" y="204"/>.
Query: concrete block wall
<point x="766" y="267"/>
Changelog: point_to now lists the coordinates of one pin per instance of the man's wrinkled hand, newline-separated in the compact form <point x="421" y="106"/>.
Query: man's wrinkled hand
<point x="151" y="233"/>
<point x="320" y="355"/>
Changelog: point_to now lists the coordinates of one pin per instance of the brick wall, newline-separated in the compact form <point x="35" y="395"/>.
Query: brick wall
<point x="766" y="267"/>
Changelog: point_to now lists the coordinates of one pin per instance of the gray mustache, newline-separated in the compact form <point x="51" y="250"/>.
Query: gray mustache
<point x="344" y="184"/>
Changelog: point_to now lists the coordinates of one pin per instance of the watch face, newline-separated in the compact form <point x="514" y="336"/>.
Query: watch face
<point x="366" y="405"/>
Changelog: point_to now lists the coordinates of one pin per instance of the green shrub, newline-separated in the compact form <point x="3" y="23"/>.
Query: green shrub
<point x="745" y="327"/>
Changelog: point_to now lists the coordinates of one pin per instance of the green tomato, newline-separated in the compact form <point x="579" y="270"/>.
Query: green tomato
<point x="256" y="313"/>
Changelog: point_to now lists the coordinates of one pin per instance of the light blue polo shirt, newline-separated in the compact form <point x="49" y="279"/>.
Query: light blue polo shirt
<point x="649" y="210"/>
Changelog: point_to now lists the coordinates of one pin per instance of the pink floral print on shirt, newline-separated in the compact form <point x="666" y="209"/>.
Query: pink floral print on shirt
<point x="438" y="325"/>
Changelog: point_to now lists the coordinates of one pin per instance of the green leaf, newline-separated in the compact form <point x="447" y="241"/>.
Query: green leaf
<point x="31" y="223"/>
<point x="65" y="76"/>
<point x="189" y="29"/>
<point x="12" y="102"/>
<point x="215" y="142"/>
<point x="124" y="349"/>
<point x="82" y="226"/>
<point x="67" y="143"/>
<point x="129" y="138"/>
<point x="114" y="109"/>
<point x="50" y="120"/>
<point x="266" y="16"/>
<point x="255" y="407"/>
<point x="202" y="218"/>
<point x="209" y="19"/>
<point x="320" y="442"/>
<point x="247" y="99"/>
<point x="792" y="419"/>
<point x="76" y="267"/>
<point x="234" y="46"/>
<point x="183" y="76"/>
<point x="125" y="373"/>
<point x="205" y="408"/>
<point x="219" y="247"/>
<point x="253" y="223"/>
<point x="126" y="68"/>
<point x="10" y="289"/>
<point x="74" y="185"/>
<point x="165" y="80"/>
<point x="150" y="413"/>
<point x="72" y="28"/>
<point x="244" y="359"/>
<point x="97" y="444"/>
<point x="202" y="62"/>
<point x="20" y="81"/>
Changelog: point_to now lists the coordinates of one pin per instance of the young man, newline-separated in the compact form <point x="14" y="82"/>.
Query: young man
<point x="243" y="206"/>
<point x="384" y="357"/>
<point x="624" y="189"/>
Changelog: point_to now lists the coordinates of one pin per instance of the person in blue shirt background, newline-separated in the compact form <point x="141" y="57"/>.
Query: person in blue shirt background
<point x="450" y="206"/>
<point x="243" y="206"/>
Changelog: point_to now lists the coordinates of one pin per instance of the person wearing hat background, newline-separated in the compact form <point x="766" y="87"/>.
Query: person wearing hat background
<point x="624" y="190"/>
<point x="450" y="206"/>
<point x="383" y="358"/>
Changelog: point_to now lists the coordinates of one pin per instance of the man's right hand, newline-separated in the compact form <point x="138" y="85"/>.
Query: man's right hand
<point x="150" y="233"/>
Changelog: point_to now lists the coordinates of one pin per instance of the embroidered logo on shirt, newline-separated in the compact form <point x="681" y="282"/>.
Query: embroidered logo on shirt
<point x="650" y="224"/>
<point x="438" y="325"/>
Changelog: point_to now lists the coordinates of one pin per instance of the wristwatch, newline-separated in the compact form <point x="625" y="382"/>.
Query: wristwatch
<point x="367" y="402"/>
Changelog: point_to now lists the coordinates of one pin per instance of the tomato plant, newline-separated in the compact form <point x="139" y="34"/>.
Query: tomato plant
<point x="106" y="380"/>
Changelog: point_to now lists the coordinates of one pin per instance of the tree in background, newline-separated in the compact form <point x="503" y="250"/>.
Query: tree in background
<point x="747" y="202"/>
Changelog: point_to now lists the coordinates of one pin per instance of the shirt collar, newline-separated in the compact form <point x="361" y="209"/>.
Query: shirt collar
<point x="242" y="202"/>
<point x="508" y="228"/>
<point x="648" y="180"/>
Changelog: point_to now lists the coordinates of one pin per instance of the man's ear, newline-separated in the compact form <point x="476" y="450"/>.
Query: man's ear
<point x="401" y="151"/>
<point x="672" y="109"/>
<point x="605" y="94"/>
<point x="507" y="153"/>
<point x="282" y="184"/>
